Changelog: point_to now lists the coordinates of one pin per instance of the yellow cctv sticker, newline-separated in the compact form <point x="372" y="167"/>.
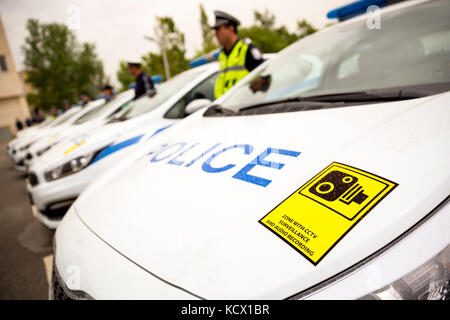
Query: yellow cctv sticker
<point x="74" y="147"/>
<point x="320" y="213"/>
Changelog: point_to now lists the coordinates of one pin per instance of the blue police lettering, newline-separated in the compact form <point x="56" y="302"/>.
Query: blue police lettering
<point x="259" y="161"/>
<point x="207" y="164"/>
<point x="180" y="146"/>
<point x="179" y="163"/>
<point x="178" y="150"/>
<point x="202" y="155"/>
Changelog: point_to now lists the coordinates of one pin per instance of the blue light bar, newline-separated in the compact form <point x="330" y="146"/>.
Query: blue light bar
<point x="157" y="79"/>
<point x="210" y="56"/>
<point x="354" y="9"/>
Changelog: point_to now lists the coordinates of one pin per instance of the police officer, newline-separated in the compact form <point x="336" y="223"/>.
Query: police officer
<point x="236" y="58"/>
<point x="108" y="93"/>
<point x="143" y="82"/>
<point x="84" y="99"/>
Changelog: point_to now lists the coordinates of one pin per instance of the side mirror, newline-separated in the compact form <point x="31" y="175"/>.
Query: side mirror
<point x="196" y="105"/>
<point x="151" y="93"/>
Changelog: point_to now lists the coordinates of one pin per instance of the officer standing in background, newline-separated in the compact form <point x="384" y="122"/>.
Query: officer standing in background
<point x="108" y="93"/>
<point x="84" y="99"/>
<point x="143" y="82"/>
<point x="236" y="59"/>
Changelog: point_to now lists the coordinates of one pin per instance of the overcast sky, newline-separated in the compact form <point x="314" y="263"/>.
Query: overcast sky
<point x="118" y="27"/>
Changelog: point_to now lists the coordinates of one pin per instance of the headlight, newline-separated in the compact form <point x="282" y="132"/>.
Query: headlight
<point x="430" y="281"/>
<point x="70" y="167"/>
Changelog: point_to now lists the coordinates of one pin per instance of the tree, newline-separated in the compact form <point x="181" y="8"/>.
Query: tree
<point x="124" y="77"/>
<point x="305" y="28"/>
<point x="264" y="20"/>
<point x="175" y="47"/>
<point x="58" y="67"/>
<point x="152" y="63"/>
<point x="270" y="39"/>
<point x="207" y="33"/>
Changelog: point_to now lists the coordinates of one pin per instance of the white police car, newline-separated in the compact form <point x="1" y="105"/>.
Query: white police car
<point x="19" y="151"/>
<point x="91" y="119"/>
<point x="58" y="176"/>
<point x="17" y="148"/>
<point x="27" y="131"/>
<point x="335" y="188"/>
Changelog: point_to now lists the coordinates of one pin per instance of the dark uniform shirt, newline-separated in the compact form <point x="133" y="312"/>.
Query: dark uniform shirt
<point x="253" y="58"/>
<point x="143" y="84"/>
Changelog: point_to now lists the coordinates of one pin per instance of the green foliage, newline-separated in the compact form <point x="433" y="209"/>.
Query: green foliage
<point x="264" y="20"/>
<point x="57" y="67"/>
<point x="269" y="39"/>
<point x="124" y="77"/>
<point x="152" y="63"/>
<point x="207" y="33"/>
<point x="305" y="28"/>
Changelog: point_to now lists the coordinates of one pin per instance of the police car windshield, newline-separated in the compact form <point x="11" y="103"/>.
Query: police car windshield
<point x="163" y="92"/>
<point x="66" y="116"/>
<point x="411" y="47"/>
<point x="100" y="111"/>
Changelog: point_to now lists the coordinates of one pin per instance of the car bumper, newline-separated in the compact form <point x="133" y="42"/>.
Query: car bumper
<point x="78" y="248"/>
<point x="84" y="258"/>
<point x="51" y="223"/>
<point x="19" y="161"/>
<point x="51" y="201"/>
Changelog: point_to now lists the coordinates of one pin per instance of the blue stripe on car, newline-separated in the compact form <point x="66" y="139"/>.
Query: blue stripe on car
<point x="123" y="144"/>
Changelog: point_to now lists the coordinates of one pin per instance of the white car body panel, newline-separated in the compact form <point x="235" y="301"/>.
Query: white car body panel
<point x="51" y="131"/>
<point x="140" y="128"/>
<point x="74" y="130"/>
<point x="199" y="231"/>
<point x="221" y="250"/>
<point x="31" y="135"/>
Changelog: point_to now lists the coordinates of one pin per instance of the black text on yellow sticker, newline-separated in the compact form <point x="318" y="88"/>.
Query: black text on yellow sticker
<point x="314" y="218"/>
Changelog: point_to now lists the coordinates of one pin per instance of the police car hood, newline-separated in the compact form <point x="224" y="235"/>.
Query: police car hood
<point x="70" y="132"/>
<point x="96" y="139"/>
<point x="198" y="224"/>
<point x="82" y="143"/>
<point x="36" y="135"/>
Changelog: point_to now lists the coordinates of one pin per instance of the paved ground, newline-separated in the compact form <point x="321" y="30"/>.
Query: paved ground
<point x="25" y="244"/>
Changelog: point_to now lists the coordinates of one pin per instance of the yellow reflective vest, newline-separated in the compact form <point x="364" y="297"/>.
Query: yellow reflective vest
<point x="232" y="68"/>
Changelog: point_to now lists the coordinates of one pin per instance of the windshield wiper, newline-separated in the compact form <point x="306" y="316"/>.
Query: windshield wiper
<point x="370" y="95"/>
<point x="367" y="96"/>
<point x="336" y="100"/>
<point x="285" y="101"/>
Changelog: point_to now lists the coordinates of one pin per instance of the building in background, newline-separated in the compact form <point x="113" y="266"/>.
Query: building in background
<point x="13" y="104"/>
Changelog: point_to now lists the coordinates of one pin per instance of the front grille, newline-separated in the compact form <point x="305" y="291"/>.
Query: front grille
<point x="61" y="292"/>
<point x="58" y="290"/>
<point x="34" y="181"/>
<point x="57" y="210"/>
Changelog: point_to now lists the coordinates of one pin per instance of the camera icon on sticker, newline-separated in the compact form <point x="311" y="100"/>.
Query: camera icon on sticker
<point x="338" y="185"/>
<point x="346" y="190"/>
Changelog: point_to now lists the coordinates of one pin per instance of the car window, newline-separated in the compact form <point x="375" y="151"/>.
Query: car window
<point x="411" y="48"/>
<point x="204" y="90"/>
<point x="66" y="116"/>
<point x="99" y="111"/>
<point x="163" y="92"/>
